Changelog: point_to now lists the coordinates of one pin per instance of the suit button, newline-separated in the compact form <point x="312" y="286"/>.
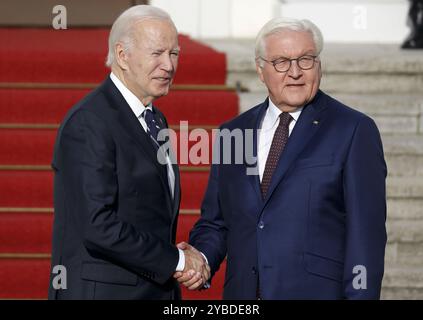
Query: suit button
<point x="261" y="225"/>
<point x="254" y="270"/>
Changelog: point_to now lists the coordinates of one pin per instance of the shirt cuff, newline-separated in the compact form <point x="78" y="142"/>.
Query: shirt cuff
<point x="205" y="258"/>
<point x="181" y="262"/>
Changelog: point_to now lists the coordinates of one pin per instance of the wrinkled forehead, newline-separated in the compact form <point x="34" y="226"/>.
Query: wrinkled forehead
<point x="153" y="25"/>
<point x="153" y="30"/>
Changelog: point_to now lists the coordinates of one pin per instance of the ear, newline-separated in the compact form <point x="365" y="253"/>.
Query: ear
<point x="121" y="56"/>
<point x="259" y="70"/>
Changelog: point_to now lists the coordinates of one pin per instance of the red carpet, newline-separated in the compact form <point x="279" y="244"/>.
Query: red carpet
<point x="24" y="278"/>
<point x="28" y="123"/>
<point x="22" y="188"/>
<point x="50" y="105"/>
<point x="78" y="56"/>
<point x="34" y="230"/>
<point x="17" y="149"/>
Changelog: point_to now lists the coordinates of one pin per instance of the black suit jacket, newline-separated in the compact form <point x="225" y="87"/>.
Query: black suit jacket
<point x="115" y="220"/>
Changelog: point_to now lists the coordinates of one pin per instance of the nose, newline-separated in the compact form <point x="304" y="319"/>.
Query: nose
<point x="295" y="71"/>
<point x="166" y="63"/>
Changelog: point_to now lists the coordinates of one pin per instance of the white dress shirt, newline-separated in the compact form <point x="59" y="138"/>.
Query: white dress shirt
<point x="138" y="108"/>
<point x="268" y="127"/>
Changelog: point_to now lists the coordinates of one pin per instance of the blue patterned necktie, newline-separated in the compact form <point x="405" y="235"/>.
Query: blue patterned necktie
<point x="153" y="127"/>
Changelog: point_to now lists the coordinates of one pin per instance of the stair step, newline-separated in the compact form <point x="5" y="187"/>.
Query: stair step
<point x="393" y="113"/>
<point x="403" y="277"/>
<point x="35" y="230"/>
<point x="67" y="64"/>
<point x="28" y="278"/>
<point x="403" y="144"/>
<point x="386" y="104"/>
<point x="406" y="209"/>
<point x="35" y="188"/>
<point x="24" y="278"/>
<point x="404" y="254"/>
<point x="35" y="146"/>
<point x="23" y="146"/>
<point x="405" y="187"/>
<point x="372" y="83"/>
<point x="405" y="231"/>
<point x="51" y="105"/>
<point x="397" y="293"/>
<point x="404" y="165"/>
<point x="24" y="275"/>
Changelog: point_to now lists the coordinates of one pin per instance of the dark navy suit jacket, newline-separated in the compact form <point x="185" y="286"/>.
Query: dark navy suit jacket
<point x="324" y="213"/>
<point x="115" y="220"/>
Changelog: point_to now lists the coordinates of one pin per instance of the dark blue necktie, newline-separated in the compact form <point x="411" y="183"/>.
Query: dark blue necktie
<point x="153" y="127"/>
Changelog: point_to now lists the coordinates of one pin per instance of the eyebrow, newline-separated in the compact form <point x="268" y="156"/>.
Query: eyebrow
<point x="177" y="49"/>
<point x="286" y="58"/>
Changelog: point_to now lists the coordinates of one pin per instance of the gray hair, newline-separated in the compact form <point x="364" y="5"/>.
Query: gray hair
<point x="121" y="31"/>
<point x="279" y="24"/>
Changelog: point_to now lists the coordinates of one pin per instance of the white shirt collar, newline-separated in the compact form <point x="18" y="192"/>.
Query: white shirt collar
<point x="273" y="113"/>
<point x="134" y="103"/>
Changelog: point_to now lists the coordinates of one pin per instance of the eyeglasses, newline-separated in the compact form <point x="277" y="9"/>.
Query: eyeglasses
<point x="283" y="64"/>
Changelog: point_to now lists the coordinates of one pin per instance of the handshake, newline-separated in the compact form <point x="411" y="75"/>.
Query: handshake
<point x="196" y="271"/>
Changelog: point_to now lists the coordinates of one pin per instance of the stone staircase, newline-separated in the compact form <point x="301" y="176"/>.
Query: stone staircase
<point x="387" y="84"/>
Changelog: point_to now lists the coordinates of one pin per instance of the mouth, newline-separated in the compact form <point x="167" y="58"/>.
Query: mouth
<point x="163" y="79"/>
<point x="295" y="85"/>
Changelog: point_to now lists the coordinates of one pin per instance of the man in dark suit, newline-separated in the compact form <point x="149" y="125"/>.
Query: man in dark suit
<point x="310" y="224"/>
<point x="116" y="194"/>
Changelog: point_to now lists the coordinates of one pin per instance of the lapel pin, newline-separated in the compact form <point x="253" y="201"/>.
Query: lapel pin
<point x="316" y="122"/>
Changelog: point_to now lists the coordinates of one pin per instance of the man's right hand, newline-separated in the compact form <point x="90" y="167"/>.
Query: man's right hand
<point x="196" y="271"/>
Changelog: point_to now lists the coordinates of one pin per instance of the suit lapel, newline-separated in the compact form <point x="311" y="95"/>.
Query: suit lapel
<point x="307" y="125"/>
<point x="177" y="193"/>
<point x="177" y="187"/>
<point x="254" y="124"/>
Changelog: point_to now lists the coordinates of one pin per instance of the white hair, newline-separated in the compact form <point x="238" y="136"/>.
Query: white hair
<point x="122" y="31"/>
<point x="280" y="24"/>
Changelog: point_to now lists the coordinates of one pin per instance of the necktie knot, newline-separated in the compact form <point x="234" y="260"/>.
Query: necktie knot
<point x="285" y="119"/>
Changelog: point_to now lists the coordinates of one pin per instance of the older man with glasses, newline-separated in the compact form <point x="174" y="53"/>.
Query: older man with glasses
<point x="310" y="224"/>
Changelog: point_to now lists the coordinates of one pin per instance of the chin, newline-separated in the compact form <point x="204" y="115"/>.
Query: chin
<point x="161" y="92"/>
<point x="297" y="102"/>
